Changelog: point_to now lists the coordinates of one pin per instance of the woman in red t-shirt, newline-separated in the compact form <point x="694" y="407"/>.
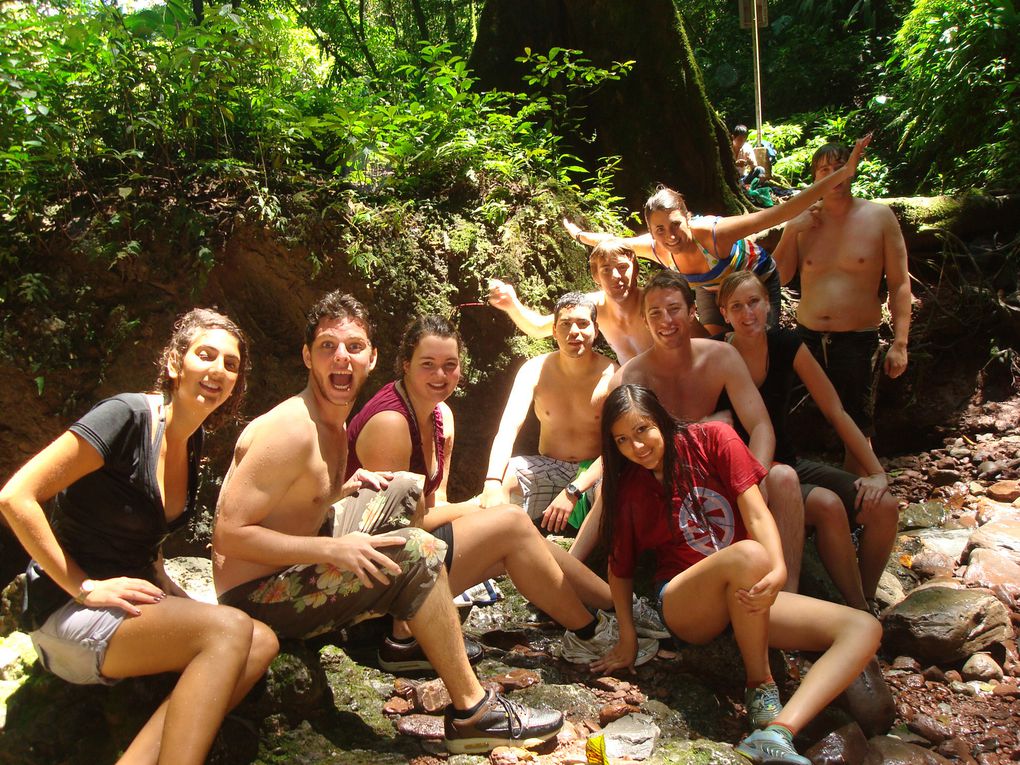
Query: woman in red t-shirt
<point x="690" y="493"/>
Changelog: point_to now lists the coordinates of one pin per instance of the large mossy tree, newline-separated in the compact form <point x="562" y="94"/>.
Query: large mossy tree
<point x="657" y="119"/>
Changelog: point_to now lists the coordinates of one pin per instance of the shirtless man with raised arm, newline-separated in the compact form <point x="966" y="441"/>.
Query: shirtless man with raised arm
<point x="613" y="266"/>
<point x="843" y="247"/>
<point x="568" y="388"/>
<point x="295" y="544"/>
<point x="689" y="375"/>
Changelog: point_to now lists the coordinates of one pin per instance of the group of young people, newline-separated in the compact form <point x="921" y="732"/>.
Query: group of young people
<point x="322" y="522"/>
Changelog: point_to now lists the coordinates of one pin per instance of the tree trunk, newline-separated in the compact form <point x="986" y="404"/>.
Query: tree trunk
<point x="658" y="119"/>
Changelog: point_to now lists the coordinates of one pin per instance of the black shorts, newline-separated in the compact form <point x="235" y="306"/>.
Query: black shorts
<point x="848" y="358"/>
<point x="815" y="475"/>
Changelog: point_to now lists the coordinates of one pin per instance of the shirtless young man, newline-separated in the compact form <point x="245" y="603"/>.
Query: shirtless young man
<point x="689" y="375"/>
<point x="568" y="387"/>
<point x="843" y="247"/>
<point x="271" y="557"/>
<point x="613" y="266"/>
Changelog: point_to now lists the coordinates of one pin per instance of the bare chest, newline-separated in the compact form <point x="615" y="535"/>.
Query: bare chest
<point x="850" y="246"/>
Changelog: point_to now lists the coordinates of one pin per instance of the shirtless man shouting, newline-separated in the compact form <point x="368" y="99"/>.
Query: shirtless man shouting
<point x="843" y="247"/>
<point x="568" y="388"/>
<point x="311" y="553"/>
<point x="613" y="266"/>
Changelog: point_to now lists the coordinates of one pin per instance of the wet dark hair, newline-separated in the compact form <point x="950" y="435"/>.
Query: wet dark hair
<point x="667" y="279"/>
<point x="574" y="300"/>
<point x="643" y="401"/>
<point x="186" y="330"/>
<point x="739" y="130"/>
<point x="420" y="328"/>
<point x="336" y="305"/>
<point x="664" y="199"/>
<point x="607" y="250"/>
<point x="735" y="280"/>
<point x="837" y="151"/>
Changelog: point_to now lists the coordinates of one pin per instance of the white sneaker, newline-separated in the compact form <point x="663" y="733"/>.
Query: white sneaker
<point x="646" y="620"/>
<point x="607" y="634"/>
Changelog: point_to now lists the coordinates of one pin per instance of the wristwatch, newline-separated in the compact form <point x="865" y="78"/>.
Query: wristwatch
<point x="87" y="587"/>
<point x="574" y="492"/>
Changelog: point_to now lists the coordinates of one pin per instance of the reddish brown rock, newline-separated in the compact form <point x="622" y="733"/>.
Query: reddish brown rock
<point x="869" y="701"/>
<point x="988" y="511"/>
<point x="421" y="726"/>
<point x="431" y="696"/>
<point x="981" y="666"/>
<point x="1001" y="535"/>
<point x="929" y="728"/>
<point x="892" y="751"/>
<point x="516" y="679"/>
<point x="615" y="711"/>
<point x="993" y="569"/>
<point x="1004" y="491"/>
<point x="906" y="662"/>
<point x="958" y="749"/>
<point x="397" y="706"/>
<point x="608" y="683"/>
<point x="1009" y="689"/>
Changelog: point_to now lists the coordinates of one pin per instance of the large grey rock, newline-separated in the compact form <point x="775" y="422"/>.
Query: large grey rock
<point x="847" y="745"/>
<point x="869" y="701"/>
<point x="981" y="666"/>
<point x="193" y="575"/>
<point x="892" y="751"/>
<point x="632" y="737"/>
<point x="942" y="625"/>
<point x="701" y="751"/>
<point x="923" y="515"/>
<point x="890" y="590"/>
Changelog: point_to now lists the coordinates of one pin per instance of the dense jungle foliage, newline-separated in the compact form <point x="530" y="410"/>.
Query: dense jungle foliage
<point x="333" y="123"/>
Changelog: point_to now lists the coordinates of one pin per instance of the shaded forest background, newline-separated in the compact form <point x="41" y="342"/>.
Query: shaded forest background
<point x="252" y="155"/>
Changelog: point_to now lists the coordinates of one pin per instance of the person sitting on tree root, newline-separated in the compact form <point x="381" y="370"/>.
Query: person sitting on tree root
<point x="706" y="249"/>
<point x="123" y="476"/>
<point x="309" y="553"/>
<point x="774" y="357"/>
<point x="407" y="425"/>
<point x="690" y="493"/>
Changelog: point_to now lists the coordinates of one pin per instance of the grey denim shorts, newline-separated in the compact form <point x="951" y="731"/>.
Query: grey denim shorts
<point x="72" y="642"/>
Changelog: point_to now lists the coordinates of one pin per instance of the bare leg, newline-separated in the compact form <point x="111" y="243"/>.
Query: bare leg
<point x="220" y="653"/>
<point x="825" y="512"/>
<point x="877" y="541"/>
<point x="700" y="602"/>
<point x="848" y="637"/>
<point x="787" y="506"/>
<point x="592" y="589"/>
<point x="504" y="539"/>
<point x="436" y="628"/>
<point x="588" y="535"/>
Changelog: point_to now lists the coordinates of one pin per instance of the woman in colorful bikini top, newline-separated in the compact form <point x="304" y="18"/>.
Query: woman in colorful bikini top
<point x="707" y="249"/>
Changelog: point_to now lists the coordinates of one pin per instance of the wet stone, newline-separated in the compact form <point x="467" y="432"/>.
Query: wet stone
<point x="923" y="515"/>
<point x="892" y="751"/>
<point x="934" y="674"/>
<point x="906" y="662"/>
<point x="421" y="726"/>
<point x="869" y="700"/>
<point x="1004" y="491"/>
<point x="981" y="666"/>
<point x="397" y="706"/>
<point x="614" y="711"/>
<point x="431" y="696"/>
<point x="516" y="679"/>
<point x="843" y="746"/>
<point x="956" y="748"/>
<point x="929" y="728"/>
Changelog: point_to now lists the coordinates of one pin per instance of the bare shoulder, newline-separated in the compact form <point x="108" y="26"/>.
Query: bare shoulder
<point x="385" y="424"/>
<point x="715" y="354"/>
<point x="286" y="430"/>
<point x="632" y="372"/>
<point x="598" y="298"/>
<point x="876" y="212"/>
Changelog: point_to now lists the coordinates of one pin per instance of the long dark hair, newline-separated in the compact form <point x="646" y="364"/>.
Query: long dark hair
<point x="639" y="399"/>
<point x="417" y="330"/>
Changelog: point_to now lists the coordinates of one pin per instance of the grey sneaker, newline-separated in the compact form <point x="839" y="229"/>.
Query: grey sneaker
<point x="646" y="620"/>
<point x="500" y="722"/>
<point x="767" y="747"/>
<point x="763" y="705"/>
<point x="607" y="633"/>
<point x="396" y="658"/>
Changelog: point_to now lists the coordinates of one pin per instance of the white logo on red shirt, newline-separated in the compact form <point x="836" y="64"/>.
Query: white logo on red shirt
<point x="708" y="525"/>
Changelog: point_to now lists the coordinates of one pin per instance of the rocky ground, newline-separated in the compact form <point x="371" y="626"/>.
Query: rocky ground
<point x="949" y="659"/>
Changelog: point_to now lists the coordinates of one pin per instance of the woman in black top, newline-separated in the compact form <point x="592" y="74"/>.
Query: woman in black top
<point x="123" y="477"/>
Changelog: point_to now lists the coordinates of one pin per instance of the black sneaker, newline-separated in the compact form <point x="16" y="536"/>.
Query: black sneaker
<point x="408" y="657"/>
<point x="500" y="722"/>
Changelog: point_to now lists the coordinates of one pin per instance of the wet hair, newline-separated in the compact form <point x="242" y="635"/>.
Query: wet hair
<point x="667" y="279"/>
<point x="416" y="331"/>
<point x="736" y="280"/>
<point x="676" y="479"/>
<point x="186" y="330"/>
<point x="336" y="305"/>
<point x="574" y="300"/>
<point x="739" y="130"/>
<point x="837" y="151"/>
<point x="664" y="199"/>
<point x="610" y="249"/>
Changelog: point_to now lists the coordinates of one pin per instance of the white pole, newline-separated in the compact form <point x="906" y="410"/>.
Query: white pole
<point x="757" y="68"/>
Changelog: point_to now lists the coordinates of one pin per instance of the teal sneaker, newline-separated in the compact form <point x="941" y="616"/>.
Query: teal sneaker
<point x="768" y="747"/>
<point x="763" y="705"/>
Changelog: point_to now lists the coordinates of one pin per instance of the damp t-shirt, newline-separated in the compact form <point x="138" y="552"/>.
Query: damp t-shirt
<point x="683" y="530"/>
